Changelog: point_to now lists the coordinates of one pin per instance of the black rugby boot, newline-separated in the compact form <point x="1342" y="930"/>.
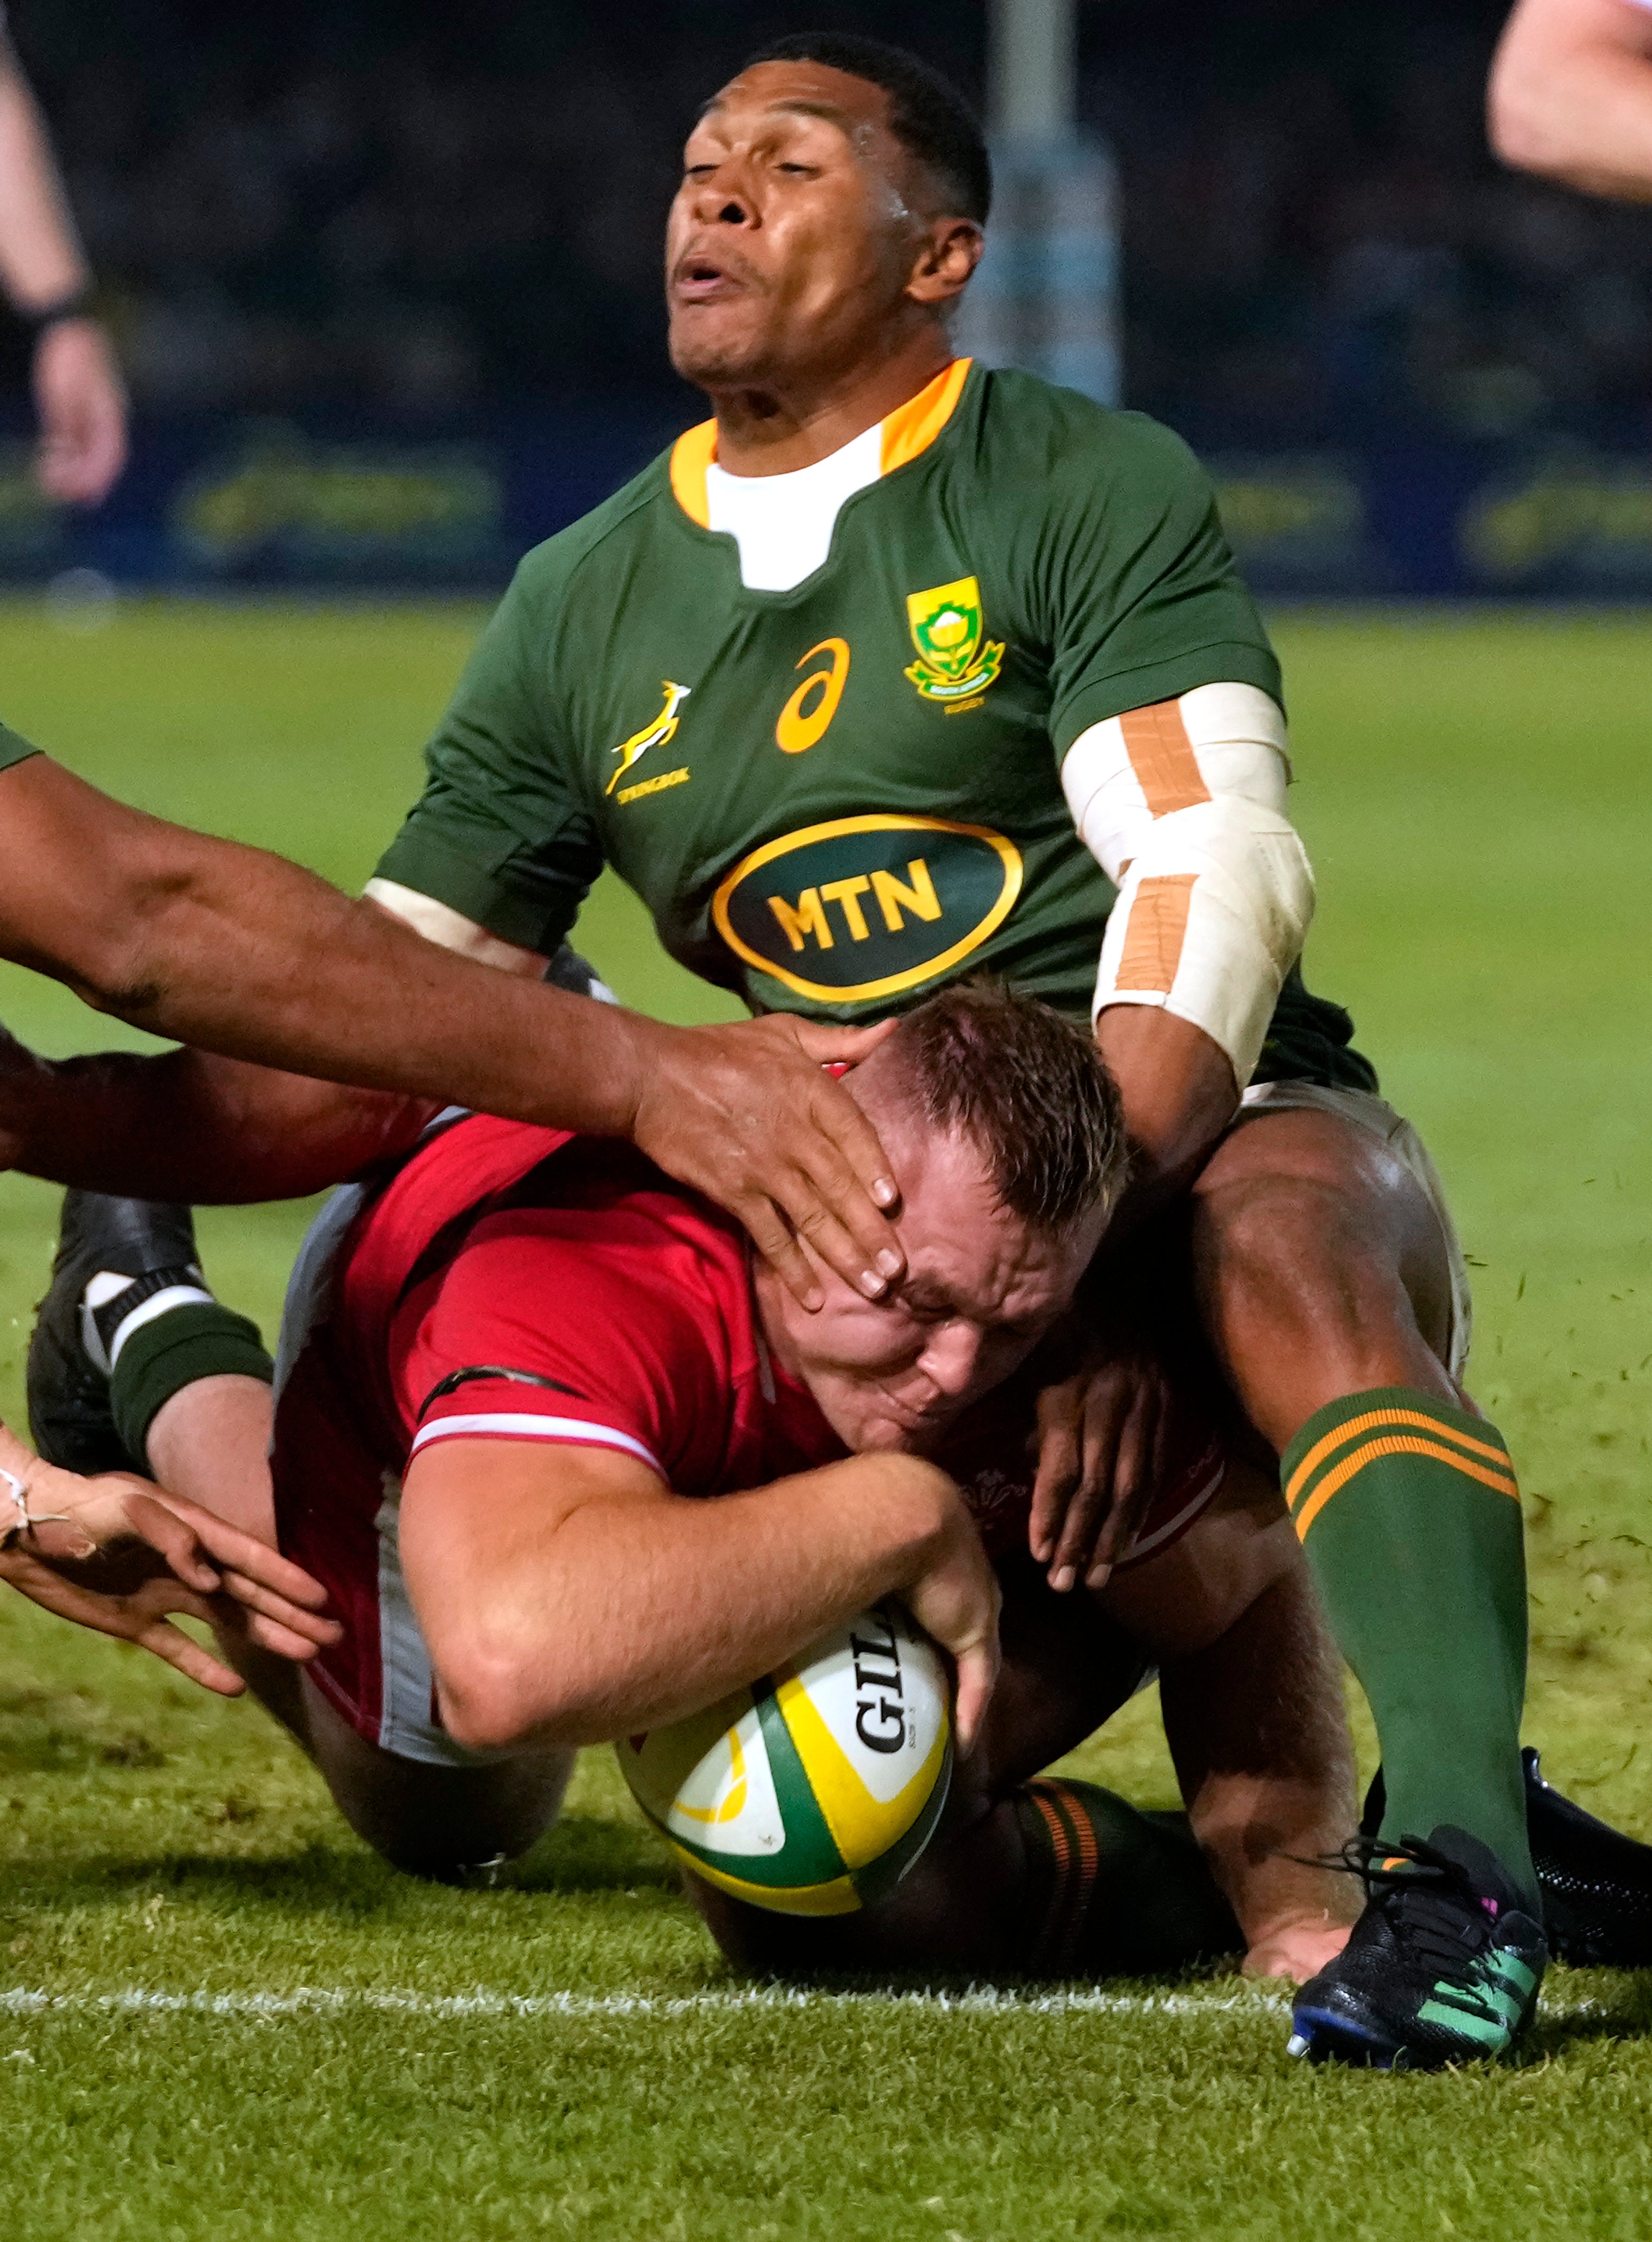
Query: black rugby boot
<point x="1596" y="1882"/>
<point x="1442" y="1967"/>
<point x="152" y="1246"/>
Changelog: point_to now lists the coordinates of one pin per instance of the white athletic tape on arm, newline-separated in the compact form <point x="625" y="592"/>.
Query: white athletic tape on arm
<point x="1208" y="922"/>
<point x="1183" y="805"/>
<point x="448" y="928"/>
<point x="1217" y="740"/>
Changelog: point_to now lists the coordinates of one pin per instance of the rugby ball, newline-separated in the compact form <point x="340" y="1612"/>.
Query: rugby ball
<point x="813" y="1791"/>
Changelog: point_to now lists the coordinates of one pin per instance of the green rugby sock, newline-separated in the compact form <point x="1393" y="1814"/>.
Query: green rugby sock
<point x="1111" y="1892"/>
<point x="1409" y="1515"/>
<point x="199" y="1338"/>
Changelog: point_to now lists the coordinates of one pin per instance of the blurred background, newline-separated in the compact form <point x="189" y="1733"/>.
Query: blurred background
<point x="384" y="276"/>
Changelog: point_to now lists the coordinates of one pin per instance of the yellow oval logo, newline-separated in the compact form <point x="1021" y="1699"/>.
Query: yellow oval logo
<point x="804" y="720"/>
<point x="863" y="907"/>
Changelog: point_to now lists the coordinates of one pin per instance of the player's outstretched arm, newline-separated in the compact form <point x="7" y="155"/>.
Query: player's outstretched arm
<point x="567" y="1597"/>
<point x="1250" y="1690"/>
<point x="117" y="1555"/>
<point x="1570" y="95"/>
<point x="243" y="953"/>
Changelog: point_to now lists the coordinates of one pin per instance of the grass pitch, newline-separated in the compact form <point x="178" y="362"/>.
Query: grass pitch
<point x="220" y="2017"/>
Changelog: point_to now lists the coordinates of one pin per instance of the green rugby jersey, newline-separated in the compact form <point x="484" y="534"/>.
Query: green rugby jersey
<point x="831" y="798"/>
<point x="14" y="748"/>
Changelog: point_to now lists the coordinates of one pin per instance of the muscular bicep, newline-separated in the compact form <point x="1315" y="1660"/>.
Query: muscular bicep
<point x="480" y="1518"/>
<point x="502" y="1600"/>
<point x="1187" y="1597"/>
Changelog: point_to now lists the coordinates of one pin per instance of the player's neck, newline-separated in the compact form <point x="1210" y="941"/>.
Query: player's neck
<point x="774" y="429"/>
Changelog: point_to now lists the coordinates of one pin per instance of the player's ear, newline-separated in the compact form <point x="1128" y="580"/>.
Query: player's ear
<point x="948" y="253"/>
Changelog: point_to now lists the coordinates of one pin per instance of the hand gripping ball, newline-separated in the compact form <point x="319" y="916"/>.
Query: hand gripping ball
<point x="813" y="1791"/>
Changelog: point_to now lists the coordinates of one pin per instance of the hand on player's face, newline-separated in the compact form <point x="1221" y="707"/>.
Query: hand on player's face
<point x="791" y="234"/>
<point x="983" y="1287"/>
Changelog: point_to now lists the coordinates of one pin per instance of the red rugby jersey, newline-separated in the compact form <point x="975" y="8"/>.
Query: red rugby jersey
<point x="502" y="1249"/>
<point x="515" y="1283"/>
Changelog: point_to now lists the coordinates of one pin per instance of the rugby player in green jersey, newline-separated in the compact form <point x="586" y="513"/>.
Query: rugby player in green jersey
<point x="898" y="670"/>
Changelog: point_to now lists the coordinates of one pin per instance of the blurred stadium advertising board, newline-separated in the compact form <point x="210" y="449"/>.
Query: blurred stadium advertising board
<point x="253" y="505"/>
<point x="1566" y="522"/>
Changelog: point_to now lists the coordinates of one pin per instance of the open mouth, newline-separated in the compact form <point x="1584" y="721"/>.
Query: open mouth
<point x="702" y="279"/>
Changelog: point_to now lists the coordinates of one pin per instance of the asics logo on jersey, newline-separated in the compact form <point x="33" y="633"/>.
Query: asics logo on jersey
<point x="806" y="717"/>
<point x="652" y="735"/>
<point x="861" y="907"/>
<point x="953" y="667"/>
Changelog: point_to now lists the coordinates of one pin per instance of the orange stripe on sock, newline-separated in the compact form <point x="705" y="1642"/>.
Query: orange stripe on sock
<point x="1397" y="1444"/>
<point x="1154" y="936"/>
<point x="1065" y="1918"/>
<point x="1052" y="1932"/>
<point x="1162" y="756"/>
<point x="1355" y="1425"/>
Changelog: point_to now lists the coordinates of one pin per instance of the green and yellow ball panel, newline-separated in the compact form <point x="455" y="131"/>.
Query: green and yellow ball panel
<point x="813" y="1791"/>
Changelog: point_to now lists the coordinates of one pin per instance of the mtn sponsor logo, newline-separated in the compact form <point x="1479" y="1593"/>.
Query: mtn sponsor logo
<point x="862" y="908"/>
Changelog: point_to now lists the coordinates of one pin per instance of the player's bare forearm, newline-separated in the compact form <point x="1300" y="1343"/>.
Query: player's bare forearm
<point x="41" y="261"/>
<point x="1256" y="1728"/>
<point x="185" y="1125"/>
<point x="240" y="952"/>
<point x="1570" y="95"/>
<point x="567" y="1598"/>
<point x="1179" y="1095"/>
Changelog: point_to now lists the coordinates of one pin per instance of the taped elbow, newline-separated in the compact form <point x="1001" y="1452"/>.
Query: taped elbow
<point x="1209" y="922"/>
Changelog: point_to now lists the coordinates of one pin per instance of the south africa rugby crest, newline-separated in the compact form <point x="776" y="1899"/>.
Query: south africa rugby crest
<point x="953" y="664"/>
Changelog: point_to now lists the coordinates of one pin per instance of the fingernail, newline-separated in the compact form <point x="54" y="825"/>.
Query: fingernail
<point x="872" y="1284"/>
<point x="889" y="1262"/>
<point x="1063" y="1580"/>
<point x="814" y="1300"/>
<point x="884" y="1192"/>
<point x="1098" y="1576"/>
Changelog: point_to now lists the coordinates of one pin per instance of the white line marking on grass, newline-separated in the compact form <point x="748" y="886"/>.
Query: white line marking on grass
<point x="333" y="2000"/>
<point x="339" y="2000"/>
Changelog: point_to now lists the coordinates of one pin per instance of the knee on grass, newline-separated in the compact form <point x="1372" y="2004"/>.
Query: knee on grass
<point x="451" y="1825"/>
<point x="459" y="1840"/>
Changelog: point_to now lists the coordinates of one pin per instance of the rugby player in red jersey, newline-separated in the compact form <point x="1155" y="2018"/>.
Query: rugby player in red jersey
<point x="513" y="1373"/>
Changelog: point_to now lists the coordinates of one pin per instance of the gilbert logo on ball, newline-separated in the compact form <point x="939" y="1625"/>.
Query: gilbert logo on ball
<point x="813" y="1791"/>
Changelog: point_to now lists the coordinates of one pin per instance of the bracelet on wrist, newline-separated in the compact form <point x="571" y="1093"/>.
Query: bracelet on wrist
<point x="21" y="1520"/>
<point x="77" y="304"/>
